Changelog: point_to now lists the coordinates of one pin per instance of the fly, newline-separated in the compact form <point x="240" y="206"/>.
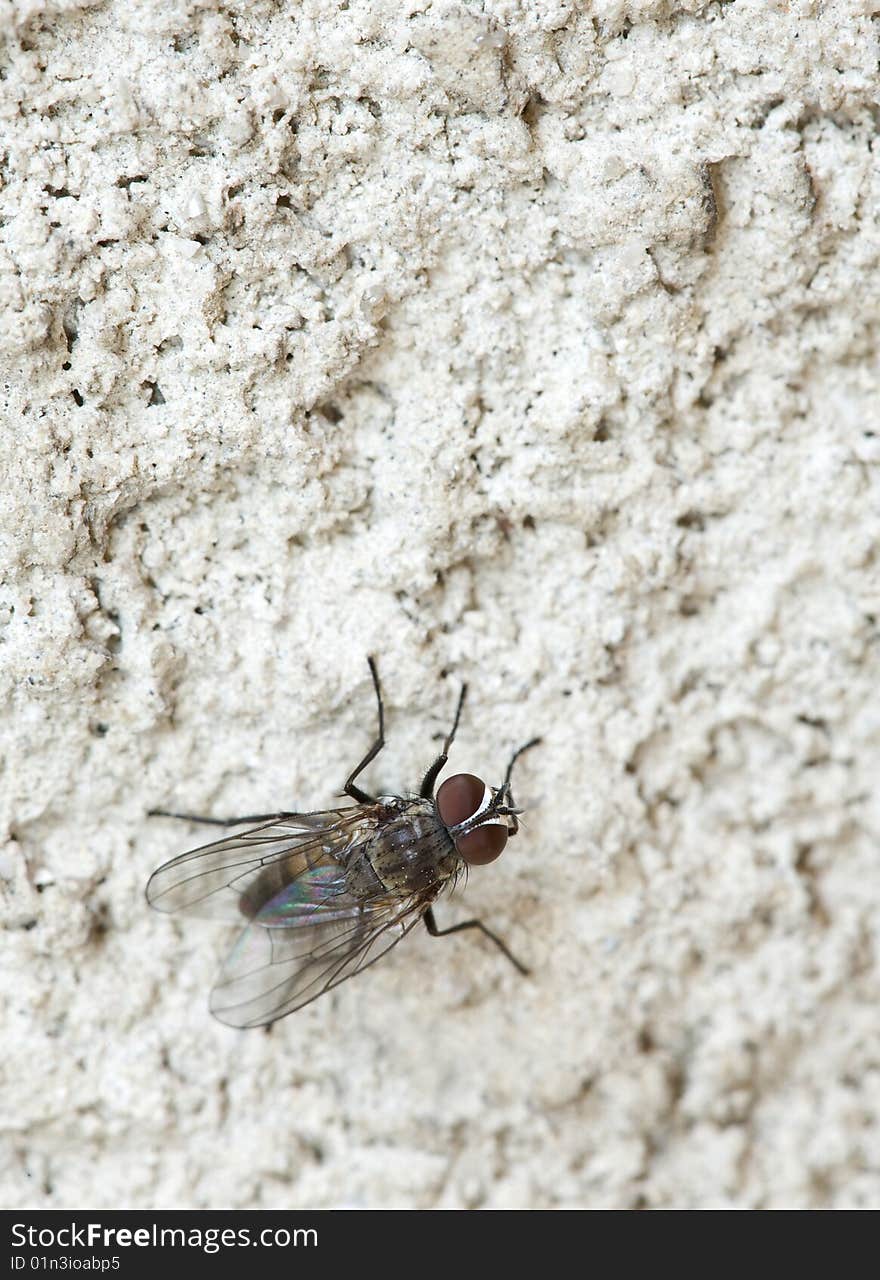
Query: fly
<point x="326" y="894"/>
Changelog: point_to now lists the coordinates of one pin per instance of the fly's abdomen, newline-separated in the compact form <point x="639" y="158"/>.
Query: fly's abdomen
<point x="413" y="852"/>
<point x="263" y="888"/>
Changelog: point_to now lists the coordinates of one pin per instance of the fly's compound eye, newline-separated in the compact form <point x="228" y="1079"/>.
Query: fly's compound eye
<point x="459" y="798"/>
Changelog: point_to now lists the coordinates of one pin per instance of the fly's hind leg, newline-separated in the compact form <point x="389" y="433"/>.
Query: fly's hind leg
<point x="431" y="925"/>
<point x="350" y="789"/>
<point x="218" y="822"/>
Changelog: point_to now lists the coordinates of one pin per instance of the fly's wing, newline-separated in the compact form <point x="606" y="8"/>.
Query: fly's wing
<point x="288" y="956"/>
<point x="308" y="931"/>
<point x="240" y="873"/>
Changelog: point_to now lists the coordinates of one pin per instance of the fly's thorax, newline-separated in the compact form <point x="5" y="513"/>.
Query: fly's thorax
<point x="412" y="850"/>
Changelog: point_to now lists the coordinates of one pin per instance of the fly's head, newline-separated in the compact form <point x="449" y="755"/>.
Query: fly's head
<point x="479" y="819"/>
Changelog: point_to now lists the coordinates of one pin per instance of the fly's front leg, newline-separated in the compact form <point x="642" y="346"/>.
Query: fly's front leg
<point x="505" y="786"/>
<point x="431" y="925"/>
<point x="350" y="789"/>
<point x="427" y="787"/>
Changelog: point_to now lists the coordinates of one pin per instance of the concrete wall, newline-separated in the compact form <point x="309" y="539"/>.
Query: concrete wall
<point x="528" y="344"/>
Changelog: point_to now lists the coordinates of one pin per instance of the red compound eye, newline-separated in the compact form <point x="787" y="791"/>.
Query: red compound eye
<point x="459" y="798"/>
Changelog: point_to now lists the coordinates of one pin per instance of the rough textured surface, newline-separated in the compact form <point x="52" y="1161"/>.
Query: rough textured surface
<point x="533" y="344"/>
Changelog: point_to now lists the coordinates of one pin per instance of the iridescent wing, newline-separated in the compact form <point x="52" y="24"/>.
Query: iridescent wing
<point x="236" y="875"/>
<point x="276" y="968"/>
<point x="308" y="932"/>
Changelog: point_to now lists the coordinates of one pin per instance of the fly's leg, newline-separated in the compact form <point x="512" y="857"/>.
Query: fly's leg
<point x="505" y="786"/>
<point x="218" y="822"/>
<point x="427" y="787"/>
<point x="431" y="925"/>
<point x="350" y="789"/>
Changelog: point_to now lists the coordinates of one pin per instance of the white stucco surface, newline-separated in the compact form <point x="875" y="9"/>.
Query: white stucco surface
<point x="532" y="344"/>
